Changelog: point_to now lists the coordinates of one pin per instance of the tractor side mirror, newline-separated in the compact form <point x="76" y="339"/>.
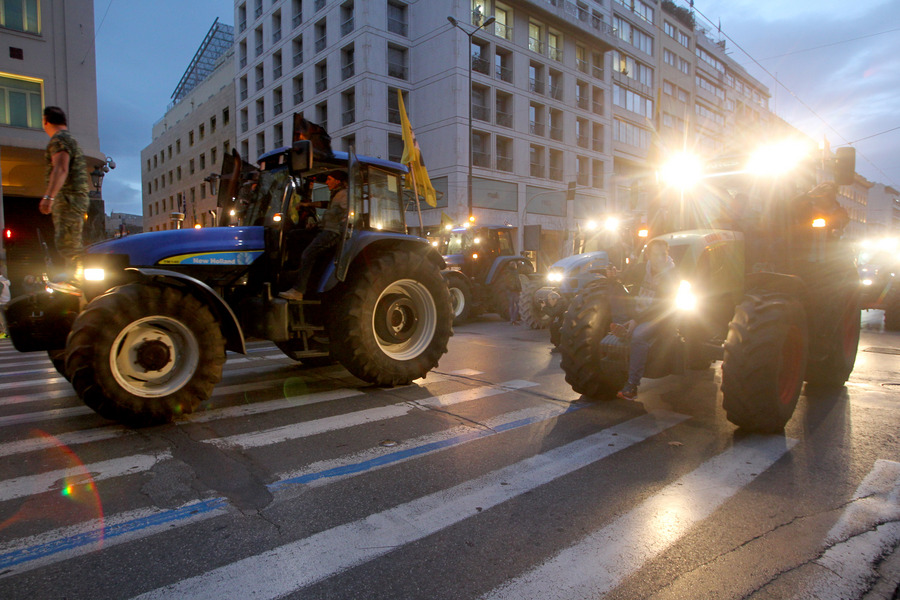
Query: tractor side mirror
<point x="844" y="165"/>
<point x="301" y="157"/>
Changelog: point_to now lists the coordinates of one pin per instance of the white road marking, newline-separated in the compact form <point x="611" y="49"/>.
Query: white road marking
<point x="295" y="431"/>
<point x="298" y="564"/>
<point x="868" y="529"/>
<point x="56" y="480"/>
<point x="602" y="560"/>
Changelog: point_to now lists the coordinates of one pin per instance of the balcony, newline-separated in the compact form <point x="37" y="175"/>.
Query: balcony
<point x="243" y="62"/>
<point x="394" y="115"/>
<point x="320" y="44"/>
<point x="347" y="26"/>
<point x="582" y="65"/>
<point x="597" y="107"/>
<point x="582" y="102"/>
<point x="597" y="144"/>
<point x="556" y="54"/>
<point x="597" y="72"/>
<point x="503" y="73"/>
<point x="583" y="141"/>
<point x="481" y="65"/>
<point x="321" y="85"/>
<point x="536" y="86"/>
<point x="348" y="117"/>
<point x="482" y="113"/>
<point x="535" y="45"/>
<point x="556" y="133"/>
<point x="504" y="119"/>
<point x="397" y="70"/>
<point x="276" y="109"/>
<point x="556" y="173"/>
<point x="536" y="128"/>
<point x="319" y="4"/>
<point x="583" y="179"/>
<point x="298" y="97"/>
<point x="556" y="91"/>
<point x="504" y="163"/>
<point x="348" y="71"/>
<point x="276" y="72"/>
<point x="276" y="35"/>
<point x="503" y="31"/>
<point x="297" y="20"/>
<point x="536" y="169"/>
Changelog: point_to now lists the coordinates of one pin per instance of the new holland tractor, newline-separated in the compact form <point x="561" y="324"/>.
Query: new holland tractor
<point x="144" y="338"/>
<point x="767" y="286"/>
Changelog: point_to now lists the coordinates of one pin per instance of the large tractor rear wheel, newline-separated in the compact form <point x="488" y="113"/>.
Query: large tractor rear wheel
<point x="584" y="326"/>
<point x="392" y="319"/>
<point x="144" y="354"/>
<point x="765" y="360"/>
<point x="840" y="353"/>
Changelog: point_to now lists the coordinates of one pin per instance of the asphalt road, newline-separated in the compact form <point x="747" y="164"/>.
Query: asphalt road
<point x="490" y="478"/>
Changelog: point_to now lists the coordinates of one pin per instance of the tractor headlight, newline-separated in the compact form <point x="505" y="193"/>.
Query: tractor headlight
<point x="555" y="276"/>
<point x="685" y="298"/>
<point x="95" y="274"/>
<point x="867" y="282"/>
<point x="818" y="223"/>
<point x="681" y="171"/>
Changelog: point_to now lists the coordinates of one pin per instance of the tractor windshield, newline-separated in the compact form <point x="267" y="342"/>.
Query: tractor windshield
<point x="459" y="242"/>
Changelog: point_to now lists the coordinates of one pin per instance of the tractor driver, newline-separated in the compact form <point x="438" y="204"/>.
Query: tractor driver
<point x="660" y="281"/>
<point x="333" y="221"/>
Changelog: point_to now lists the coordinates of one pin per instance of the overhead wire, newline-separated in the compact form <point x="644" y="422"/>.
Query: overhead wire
<point x="693" y="8"/>
<point x="96" y="31"/>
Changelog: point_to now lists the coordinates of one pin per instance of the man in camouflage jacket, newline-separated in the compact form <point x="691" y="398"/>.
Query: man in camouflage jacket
<point x="66" y="196"/>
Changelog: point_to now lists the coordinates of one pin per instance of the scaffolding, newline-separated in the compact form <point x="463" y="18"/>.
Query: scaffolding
<point x="217" y="42"/>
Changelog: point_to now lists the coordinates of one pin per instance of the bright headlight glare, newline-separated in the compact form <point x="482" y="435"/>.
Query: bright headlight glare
<point x="94" y="275"/>
<point x="867" y="282"/>
<point x="611" y="224"/>
<point x="681" y="171"/>
<point x="554" y="276"/>
<point x="685" y="298"/>
<point x="817" y="223"/>
<point x="778" y="158"/>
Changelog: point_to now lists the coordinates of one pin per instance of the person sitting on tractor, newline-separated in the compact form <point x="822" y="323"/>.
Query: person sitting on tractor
<point x="659" y="282"/>
<point x="332" y="224"/>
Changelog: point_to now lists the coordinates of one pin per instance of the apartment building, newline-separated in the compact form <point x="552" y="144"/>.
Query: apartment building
<point x="47" y="59"/>
<point x="562" y="91"/>
<point x="179" y="166"/>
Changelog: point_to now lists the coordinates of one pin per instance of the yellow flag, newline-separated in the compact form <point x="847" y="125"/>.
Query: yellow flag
<point x="412" y="157"/>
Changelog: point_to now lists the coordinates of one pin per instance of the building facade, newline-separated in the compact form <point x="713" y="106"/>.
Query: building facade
<point x="883" y="211"/>
<point x="179" y="165"/>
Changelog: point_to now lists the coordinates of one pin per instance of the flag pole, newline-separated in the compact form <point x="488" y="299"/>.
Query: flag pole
<point x="416" y="194"/>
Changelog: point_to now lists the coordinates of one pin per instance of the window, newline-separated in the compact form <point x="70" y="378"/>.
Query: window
<point x="581" y="58"/>
<point x="322" y="114"/>
<point x="212" y="128"/>
<point x="21" y="15"/>
<point x="535" y="37"/>
<point x="276" y="26"/>
<point x="21" y="102"/>
<point x="260" y="111"/>
<point x="348" y="68"/>
<point x="633" y="68"/>
<point x="321" y="40"/>
<point x="297" y="13"/>
<point x="597" y="173"/>
<point x="276" y="65"/>
<point x="242" y="54"/>
<point x="244" y="121"/>
<point x="202" y="162"/>
<point x="582" y="100"/>
<point x="321" y="77"/>
<point x="630" y="100"/>
<point x="556" y="124"/>
<point x="554" y="43"/>
<point x="278" y="135"/>
<point x="480" y="61"/>
<point x="298" y="90"/>
<point x="396" y="16"/>
<point x="631" y="34"/>
<point x="297" y="46"/>
<point x="481" y="103"/>
<point x="536" y="78"/>
<point x="582" y="133"/>
<point x="503" y="21"/>
<point x="260" y="143"/>
<point x="504" y="109"/>
<point x="597" y="137"/>
<point x="170" y="151"/>
<point x="536" y="160"/>
<point x="597" y="100"/>
<point x="395" y="147"/>
<point x="201" y="131"/>
<point x="260" y="78"/>
<point x="242" y="88"/>
<point x="582" y="171"/>
<point x="504" y="154"/>
<point x="348" y="102"/>
<point x="503" y="65"/>
<point x="536" y="119"/>
<point x="242" y="17"/>
<point x="259" y="40"/>
<point x="191" y="138"/>
<point x="277" y="102"/>
<point x="481" y="153"/>
<point x="397" y="62"/>
<point x="629" y="133"/>
<point x="554" y="82"/>
<point x="213" y="152"/>
<point x="226" y="116"/>
<point x="178" y="174"/>
<point x="346" y="17"/>
<point x="257" y="11"/>
<point x="394" y="105"/>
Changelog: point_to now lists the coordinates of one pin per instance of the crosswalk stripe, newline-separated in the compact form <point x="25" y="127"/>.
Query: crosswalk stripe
<point x="63" y="544"/>
<point x="308" y="428"/>
<point x="56" y="480"/>
<point x="868" y="529"/>
<point x="298" y="564"/>
<point x="602" y="560"/>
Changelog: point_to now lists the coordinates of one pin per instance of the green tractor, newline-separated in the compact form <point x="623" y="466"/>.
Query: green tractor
<point x="767" y="286"/>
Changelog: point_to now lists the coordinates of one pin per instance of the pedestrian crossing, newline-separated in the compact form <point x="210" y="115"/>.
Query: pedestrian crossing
<point x="260" y="418"/>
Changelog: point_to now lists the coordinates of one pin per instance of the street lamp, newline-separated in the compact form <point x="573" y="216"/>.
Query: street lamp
<point x="459" y="26"/>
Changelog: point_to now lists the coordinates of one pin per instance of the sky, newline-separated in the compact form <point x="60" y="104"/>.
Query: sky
<point x="832" y="66"/>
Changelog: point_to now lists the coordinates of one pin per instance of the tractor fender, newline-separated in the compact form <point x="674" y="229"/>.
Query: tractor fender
<point x="777" y="282"/>
<point x="369" y="243"/>
<point x="450" y="275"/>
<point x="231" y="328"/>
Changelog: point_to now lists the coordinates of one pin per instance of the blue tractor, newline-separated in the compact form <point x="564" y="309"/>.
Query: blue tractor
<point x="143" y="340"/>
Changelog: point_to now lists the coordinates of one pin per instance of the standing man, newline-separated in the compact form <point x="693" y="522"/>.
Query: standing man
<point x="332" y="224"/>
<point x="512" y="294"/>
<point x="660" y="283"/>
<point x="66" y="196"/>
